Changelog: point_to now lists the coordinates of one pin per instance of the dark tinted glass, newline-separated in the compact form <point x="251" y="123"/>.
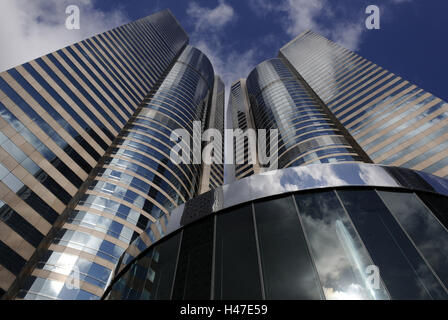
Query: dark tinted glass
<point x="288" y="272"/>
<point x="20" y="225"/>
<point x="402" y="269"/>
<point x="194" y="267"/>
<point x="10" y="259"/>
<point x="236" y="259"/>
<point x="428" y="235"/>
<point x="438" y="205"/>
<point x="163" y="265"/>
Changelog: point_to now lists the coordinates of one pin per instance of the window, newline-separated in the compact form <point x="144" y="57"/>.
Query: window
<point x="340" y="257"/>
<point x="428" y="235"/>
<point x="236" y="260"/>
<point x="402" y="269"/>
<point x="194" y="267"/>
<point x="288" y="272"/>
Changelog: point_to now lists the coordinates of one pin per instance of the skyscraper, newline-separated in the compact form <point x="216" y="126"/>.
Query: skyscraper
<point x="331" y="105"/>
<point x="213" y="174"/>
<point x="244" y="155"/>
<point x="308" y="133"/>
<point x="395" y="122"/>
<point x="335" y="221"/>
<point x="85" y="159"/>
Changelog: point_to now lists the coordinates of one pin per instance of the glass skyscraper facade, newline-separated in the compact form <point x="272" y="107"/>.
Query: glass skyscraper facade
<point x="244" y="155"/>
<point x="395" y="122"/>
<point x="307" y="133"/>
<point x="331" y="105"/>
<point x="213" y="173"/>
<point x="85" y="154"/>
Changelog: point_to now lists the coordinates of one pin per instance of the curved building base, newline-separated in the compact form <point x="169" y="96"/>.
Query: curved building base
<point x="336" y="231"/>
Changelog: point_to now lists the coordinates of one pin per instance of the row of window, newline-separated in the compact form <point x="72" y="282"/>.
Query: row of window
<point x="383" y="112"/>
<point x="143" y="152"/>
<point x="278" y="107"/>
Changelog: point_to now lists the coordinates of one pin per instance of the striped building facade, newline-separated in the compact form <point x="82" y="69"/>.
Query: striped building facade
<point x="245" y="162"/>
<point x="394" y="121"/>
<point x="213" y="174"/>
<point x="84" y="159"/>
<point x="307" y="134"/>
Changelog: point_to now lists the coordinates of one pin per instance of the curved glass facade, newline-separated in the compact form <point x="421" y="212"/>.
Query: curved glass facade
<point x="378" y="235"/>
<point x="133" y="190"/>
<point x="395" y="122"/>
<point x="306" y="132"/>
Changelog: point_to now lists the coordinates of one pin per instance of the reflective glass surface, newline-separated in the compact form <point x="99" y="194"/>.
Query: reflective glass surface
<point x="355" y="239"/>
<point x="340" y="257"/>
<point x="288" y="270"/>
<point x="427" y="233"/>
<point x="235" y="242"/>
<point x="402" y="268"/>
<point x="390" y="118"/>
<point x="278" y="100"/>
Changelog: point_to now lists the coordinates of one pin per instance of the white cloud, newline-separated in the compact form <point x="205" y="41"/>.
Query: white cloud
<point x="206" y="18"/>
<point x="300" y="15"/>
<point x="229" y="65"/>
<point x="30" y="29"/>
<point x="347" y="34"/>
<point x="344" y="25"/>
<point x="209" y="26"/>
<point x="304" y="14"/>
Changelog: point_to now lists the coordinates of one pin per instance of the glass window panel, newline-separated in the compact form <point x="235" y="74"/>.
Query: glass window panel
<point x="162" y="268"/>
<point x="438" y="205"/>
<point x="288" y="272"/>
<point x="340" y="257"/>
<point x="402" y="269"/>
<point x="14" y="151"/>
<point x="3" y="172"/>
<point x="12" y="182"/>
<point x="430" y="237"/>
<point x="236" y="258"/>
<point x="30" y="165"/>
<point x="194" y="267"/>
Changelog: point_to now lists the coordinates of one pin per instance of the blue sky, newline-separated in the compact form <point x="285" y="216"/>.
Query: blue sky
<point x="238" y="34"/>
